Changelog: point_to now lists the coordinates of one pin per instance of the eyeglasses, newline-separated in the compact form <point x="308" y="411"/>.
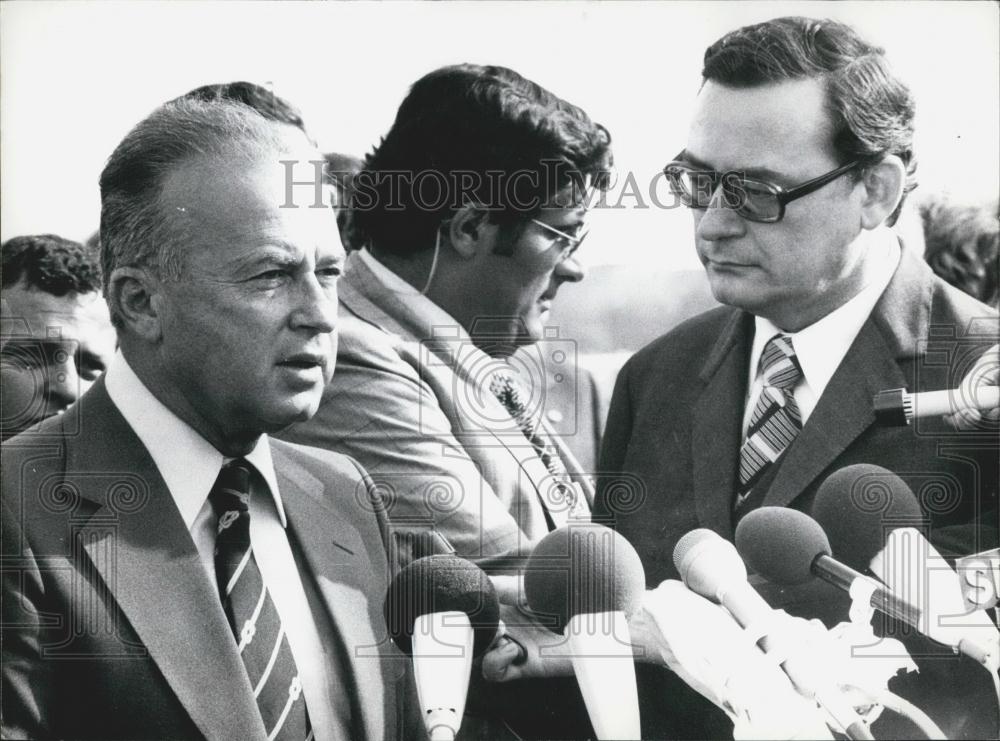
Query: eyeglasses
<point x="754" y="200"/>
<point x="570" y="243"/>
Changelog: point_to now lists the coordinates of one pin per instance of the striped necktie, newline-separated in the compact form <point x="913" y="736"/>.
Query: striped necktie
<point x="564" y="494"/>
<point x="775" y="420"/>
<point x="255" y="622"/>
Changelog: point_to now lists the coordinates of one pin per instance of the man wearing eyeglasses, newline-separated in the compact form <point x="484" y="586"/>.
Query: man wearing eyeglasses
<point x="798" y="159"/>
<point x="471" y="211"/>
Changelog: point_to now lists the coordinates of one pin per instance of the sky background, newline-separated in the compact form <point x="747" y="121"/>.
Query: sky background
<point x="76" y="76"/>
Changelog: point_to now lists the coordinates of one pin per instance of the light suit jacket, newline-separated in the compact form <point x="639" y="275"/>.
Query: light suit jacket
<point x="112" y="628"/>
<point x="410" y="401"/>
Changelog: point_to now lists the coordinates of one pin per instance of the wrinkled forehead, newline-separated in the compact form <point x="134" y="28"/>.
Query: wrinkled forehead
<point x="235" y="194"/>
<point x="242" y="175"/>
<point x="34" y="314"/>
<point x="784" y="127"/>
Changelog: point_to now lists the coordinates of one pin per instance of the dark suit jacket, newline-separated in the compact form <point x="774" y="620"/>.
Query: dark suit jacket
<point x="110" y="624"/>
<point x="674" y="429"/>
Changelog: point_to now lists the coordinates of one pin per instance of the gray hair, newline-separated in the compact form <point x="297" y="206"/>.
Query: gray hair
<point x="135" y="231"/>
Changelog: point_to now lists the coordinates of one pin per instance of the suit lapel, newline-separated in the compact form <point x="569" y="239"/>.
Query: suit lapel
<point x="365" y="295"/>
<point x="716" y="433"/>
<point x="137" y="541"/>
<point x="336" y="556"/>
<point x="892" y="334"/>
<point x="369" y="298"/>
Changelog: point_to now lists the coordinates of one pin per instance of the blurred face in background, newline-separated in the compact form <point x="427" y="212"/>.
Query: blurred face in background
<point x="52" y="349"/>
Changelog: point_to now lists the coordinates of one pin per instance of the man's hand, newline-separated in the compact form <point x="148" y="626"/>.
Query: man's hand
<point x="986" y="372"/>
<point x="525" y="649"/>
<point x="689" y="635"/>
<point x="702" y="643"/>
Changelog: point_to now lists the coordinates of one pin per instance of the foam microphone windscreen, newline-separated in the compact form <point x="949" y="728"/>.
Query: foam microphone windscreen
<point x="781" y="543"/>
<point x="702" y="557"/>
<point x="441" y="584"/>
<point x="858" y="505"/>
<point x="583" y="569"/>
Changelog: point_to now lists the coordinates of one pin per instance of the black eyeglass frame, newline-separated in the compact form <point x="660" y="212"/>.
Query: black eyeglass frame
<point x="783" y="196"/>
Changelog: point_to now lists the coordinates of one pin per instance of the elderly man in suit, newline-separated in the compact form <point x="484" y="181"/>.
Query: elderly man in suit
<point x="168" y="570"/>
<point x="798" y="159"/>
<point x="471" y="210"/>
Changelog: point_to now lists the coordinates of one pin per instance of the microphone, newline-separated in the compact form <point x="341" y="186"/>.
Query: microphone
<point x="443" y="611"/>
<point x="710" y="566"/>
<point x="857" y="505"/>
<point x="897" y="408"/>
<point x="590" y="581"/>
<point x="789" y="547"/>
<point x="868" y="512"/>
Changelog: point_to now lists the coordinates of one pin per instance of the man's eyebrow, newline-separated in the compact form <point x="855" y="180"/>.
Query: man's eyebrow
<point x="271" y="254"/>
<point x="576" y="220"/>
<point x="762" y="173"/>
<point x="686" y="156"/>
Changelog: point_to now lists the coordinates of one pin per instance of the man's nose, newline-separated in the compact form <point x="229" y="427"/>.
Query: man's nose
<point x="316" y="307"/>
<point x="571" y="270"/>
<point x="718" y="221"/>
<point x="62" y="386"/>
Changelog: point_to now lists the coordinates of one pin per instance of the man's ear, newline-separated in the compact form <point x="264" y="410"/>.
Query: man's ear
<point x="883" y="183"/>
<point x="134" y="295"/>
<point x="470" y="231"/>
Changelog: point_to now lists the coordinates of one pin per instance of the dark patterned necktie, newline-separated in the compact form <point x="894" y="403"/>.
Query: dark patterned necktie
<point x="260" y="636"/>
<point x="510" y="394"/>
<point x="775" y="420"/>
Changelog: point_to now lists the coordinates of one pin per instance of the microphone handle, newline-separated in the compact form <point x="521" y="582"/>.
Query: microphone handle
<point x="936" y="403"/>
<point x="840" y="575"/>
<point x="751" y="611"/>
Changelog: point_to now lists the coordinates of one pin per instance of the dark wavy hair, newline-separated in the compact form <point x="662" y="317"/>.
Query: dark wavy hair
<point x="489" y="137"/>
<point x="51" y="264"/>
<point x="872" y="109"/>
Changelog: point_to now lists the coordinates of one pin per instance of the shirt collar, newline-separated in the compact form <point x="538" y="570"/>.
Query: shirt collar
<point x="822" y="345"/>
<point x="466" y="355"/>
<point x="188" y="463"/>
<point x="388" y="278"/>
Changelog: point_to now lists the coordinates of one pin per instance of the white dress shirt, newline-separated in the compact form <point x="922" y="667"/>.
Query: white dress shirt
<point x="821" y="347"/>
<point x="189" y="465"/>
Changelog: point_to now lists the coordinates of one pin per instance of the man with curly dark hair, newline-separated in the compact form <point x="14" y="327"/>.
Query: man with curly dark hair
<point x="56" y="336"/>
<point x="470" y="211"/>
